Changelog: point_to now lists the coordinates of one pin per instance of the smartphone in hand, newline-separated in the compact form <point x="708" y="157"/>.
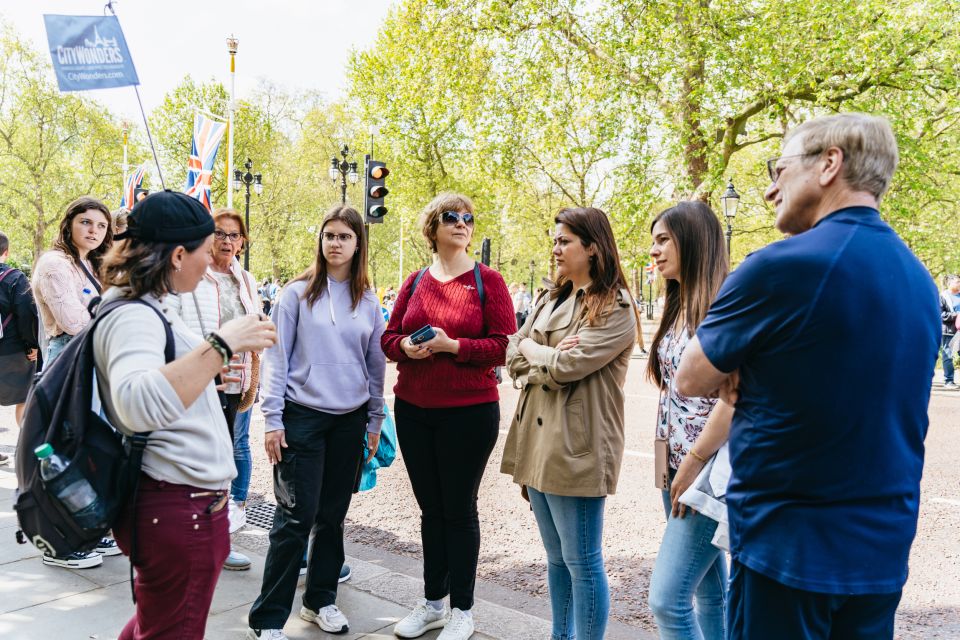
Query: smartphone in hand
<point x="422" y="334"/>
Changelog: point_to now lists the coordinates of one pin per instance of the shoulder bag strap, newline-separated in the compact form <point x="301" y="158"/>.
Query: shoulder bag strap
<point x="196" y="305"/>
<point x="416" y="281"/>
<point x="90" y="277"/>
<point x="9" y="317"/>
<point x="479" y="281"/>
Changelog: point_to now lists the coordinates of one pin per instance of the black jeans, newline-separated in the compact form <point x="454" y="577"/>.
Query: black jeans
<point x="445" y="452"/>
<point x="313" y="484"/>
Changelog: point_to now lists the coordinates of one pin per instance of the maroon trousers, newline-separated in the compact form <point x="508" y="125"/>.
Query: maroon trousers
<point x="180" y="551"/>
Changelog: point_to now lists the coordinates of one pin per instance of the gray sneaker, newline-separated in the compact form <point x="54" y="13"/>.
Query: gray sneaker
<point x="949" y="385"/>
<point x="329" y="618"/>
<point x="423" y="618"/>
<point x="236" y="561"/>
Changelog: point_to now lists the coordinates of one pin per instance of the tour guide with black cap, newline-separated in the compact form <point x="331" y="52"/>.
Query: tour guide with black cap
<point x="188" y="462"/>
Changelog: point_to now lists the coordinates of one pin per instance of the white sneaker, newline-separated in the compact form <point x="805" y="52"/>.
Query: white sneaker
<point x="329" y="618"/>
<point x="423" y="618"/>
<point x="236" y="515"/>
<point x="460" y="626"/>
<point x="78" y="560"/>
<point x="265" y="634"/>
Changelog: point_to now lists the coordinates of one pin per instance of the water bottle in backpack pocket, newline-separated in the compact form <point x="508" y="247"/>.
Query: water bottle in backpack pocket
<point x="71" y="488"/>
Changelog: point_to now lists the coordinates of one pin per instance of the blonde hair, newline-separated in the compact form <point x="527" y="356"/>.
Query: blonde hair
<point x="868" y="144"/>
<point x="430" y="216"/>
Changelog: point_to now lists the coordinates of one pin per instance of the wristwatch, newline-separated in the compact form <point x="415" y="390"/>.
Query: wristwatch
<point x="221" y="347"/>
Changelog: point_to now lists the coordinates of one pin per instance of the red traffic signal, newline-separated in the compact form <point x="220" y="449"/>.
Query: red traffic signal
<point x="375" y="191"/>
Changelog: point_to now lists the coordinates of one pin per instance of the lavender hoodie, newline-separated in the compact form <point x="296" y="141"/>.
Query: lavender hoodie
<point x="327" y="356"/>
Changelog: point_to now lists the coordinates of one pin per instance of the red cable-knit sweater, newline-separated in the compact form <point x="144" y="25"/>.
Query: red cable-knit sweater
<point x="443" y="379"/>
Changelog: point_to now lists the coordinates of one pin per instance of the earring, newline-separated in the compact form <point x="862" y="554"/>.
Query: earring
<point x="178" y="269"/>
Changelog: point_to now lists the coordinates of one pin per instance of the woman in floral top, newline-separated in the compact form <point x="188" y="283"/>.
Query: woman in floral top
<point x="689" y="251"/>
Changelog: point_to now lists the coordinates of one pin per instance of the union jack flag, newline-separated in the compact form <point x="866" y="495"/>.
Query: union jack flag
<point x="134" y="181"/>
<point x="207" y="135"/>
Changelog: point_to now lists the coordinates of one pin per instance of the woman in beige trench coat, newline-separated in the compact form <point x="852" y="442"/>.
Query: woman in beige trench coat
<point x="565" y="442"/>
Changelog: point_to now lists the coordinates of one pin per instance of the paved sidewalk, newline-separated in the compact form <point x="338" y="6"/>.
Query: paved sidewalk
<point x="38" y="602"/>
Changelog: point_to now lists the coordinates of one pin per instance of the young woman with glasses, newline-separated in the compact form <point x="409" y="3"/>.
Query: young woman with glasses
<point x="689" y="251"/>
<point x="323" y="392"/>
<point x="447" y="407"/>
<point x="227" y="292"/>
<point x="565" y="443"/>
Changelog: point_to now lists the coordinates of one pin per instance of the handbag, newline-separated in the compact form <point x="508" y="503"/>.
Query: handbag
<point x="250" y="395"/>
<point x="661" y="446"/>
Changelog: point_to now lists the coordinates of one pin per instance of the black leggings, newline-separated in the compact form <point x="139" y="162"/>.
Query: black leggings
<point x="445" y="452"/>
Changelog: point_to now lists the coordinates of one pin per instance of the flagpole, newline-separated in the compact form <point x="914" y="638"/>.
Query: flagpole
<point x="150" y="137"/>
<point x="232" y="43"/>
<point x="125" y="128"/>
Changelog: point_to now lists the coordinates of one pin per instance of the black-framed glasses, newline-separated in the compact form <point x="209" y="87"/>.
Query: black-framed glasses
<point x="774" y="172"/>
<point x="223" y="235"/>
<point x="342" y="237"/>
<point x="452" y="218"/>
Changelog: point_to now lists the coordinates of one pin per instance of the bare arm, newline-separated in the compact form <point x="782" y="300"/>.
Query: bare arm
<point x="697" y="377"/>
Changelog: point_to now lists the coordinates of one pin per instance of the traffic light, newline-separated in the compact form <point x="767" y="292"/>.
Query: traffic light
<point x="375" y="190"/>
<point x="485" y="251"/>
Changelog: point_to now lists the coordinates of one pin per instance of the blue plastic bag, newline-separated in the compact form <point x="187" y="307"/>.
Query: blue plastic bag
<point x="386" y="452"/>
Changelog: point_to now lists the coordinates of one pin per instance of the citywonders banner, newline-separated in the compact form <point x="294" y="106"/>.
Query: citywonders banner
<point x="89" y="52"/>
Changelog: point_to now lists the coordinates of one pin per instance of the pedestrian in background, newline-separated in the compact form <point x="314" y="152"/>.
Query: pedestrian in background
<point x="181" y="524"/>
<point x="689" y="250"/>
<point x="447" y="407"/>
<point x="949" y="312"/>
<point x="120" y="220"/>
<point x="830" y="374"/>
<point x="323" y="392"/>
<point x="565" y="443"/>
<point x="18" y="336"/>
<point x="66" y="278"/>
<point x="226" y="292"/>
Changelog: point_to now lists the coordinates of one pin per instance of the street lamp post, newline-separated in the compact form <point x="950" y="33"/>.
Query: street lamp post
<point x="232" y="44"/>
<point x="344" y="170"/>
<point x="247" y="178"/>
<point x="731" y="200"/>
<point x="533" y="267"/>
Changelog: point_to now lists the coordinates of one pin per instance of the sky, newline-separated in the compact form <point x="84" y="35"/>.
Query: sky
<point x="293" y="43"/>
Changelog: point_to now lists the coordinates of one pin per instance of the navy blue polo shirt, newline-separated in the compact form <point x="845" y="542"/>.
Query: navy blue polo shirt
<point x="835" y="332"/>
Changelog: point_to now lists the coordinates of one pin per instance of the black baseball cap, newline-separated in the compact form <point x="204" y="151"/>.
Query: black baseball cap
<point x="168" y="216"/>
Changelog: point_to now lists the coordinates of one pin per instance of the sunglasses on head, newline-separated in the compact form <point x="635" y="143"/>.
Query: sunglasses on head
<point x="452" y="218"/>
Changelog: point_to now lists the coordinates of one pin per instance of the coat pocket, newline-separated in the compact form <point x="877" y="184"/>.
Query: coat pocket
<point x="284" y="480"/>
<point x="576" y="434"/>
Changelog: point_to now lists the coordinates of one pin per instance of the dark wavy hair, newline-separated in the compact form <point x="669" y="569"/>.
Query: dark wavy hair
<point x="316" y="275"/>
<point x="144" y="266"/>
<point x="64" y="241"/>
<point x="696" y="232"/>
<point x="592" y="227"/>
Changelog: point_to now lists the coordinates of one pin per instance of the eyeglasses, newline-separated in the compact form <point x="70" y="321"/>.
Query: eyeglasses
<point x="452" y="218"/>
<point x="774" y="172"/>
<point x="342" y="237"/>
<point x="223" y="235"/>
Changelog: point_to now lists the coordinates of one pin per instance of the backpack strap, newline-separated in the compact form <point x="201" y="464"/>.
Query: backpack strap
<point x="416" y="281"/>
<point x="6" y="321"/>
<point x="479" y="281"/>
<point x="137" y="443"/>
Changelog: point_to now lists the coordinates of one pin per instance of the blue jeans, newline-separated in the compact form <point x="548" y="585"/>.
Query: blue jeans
<point x="241" y="456"/>
<point x="946" y="358"/>
<point x="689" y="565"/>
<point x="572" y="533"/>
<point x="55" y="346"/>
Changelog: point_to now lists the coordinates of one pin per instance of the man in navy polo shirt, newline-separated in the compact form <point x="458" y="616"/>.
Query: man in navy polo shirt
<point x="826" y="343"/>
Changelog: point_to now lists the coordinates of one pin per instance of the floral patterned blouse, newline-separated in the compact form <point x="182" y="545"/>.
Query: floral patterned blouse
<point x="687" y="416"/>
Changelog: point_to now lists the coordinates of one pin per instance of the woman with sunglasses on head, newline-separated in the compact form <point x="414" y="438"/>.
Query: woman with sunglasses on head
<point x="178" y="521"/>
<point x="447" y="407"/>
<point x="323" y="393"/>
<point x="227" y="292"/>
<point x="689" y="251"/>
<point x="565" y="443"/>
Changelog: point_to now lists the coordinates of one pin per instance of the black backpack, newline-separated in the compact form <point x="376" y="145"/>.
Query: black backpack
<point x="58" y="412"/>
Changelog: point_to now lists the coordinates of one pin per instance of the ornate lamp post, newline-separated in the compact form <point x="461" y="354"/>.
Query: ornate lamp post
<point x="232" y="44"/>
<point x="246" y="178"/>
<point x="730" y="200"/>
<point x="345" y="170"/>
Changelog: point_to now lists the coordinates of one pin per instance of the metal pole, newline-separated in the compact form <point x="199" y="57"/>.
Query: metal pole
<point x="729" y="239"/>
<point x="400" y="270"/>
<point x="343" y="182"/>
<point x="126" y="167"/>
<point x="246" y="249"/>
<point x="230" y="134"/>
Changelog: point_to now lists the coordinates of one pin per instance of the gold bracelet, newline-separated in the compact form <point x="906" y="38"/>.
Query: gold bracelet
<point x="698" y="456"/>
